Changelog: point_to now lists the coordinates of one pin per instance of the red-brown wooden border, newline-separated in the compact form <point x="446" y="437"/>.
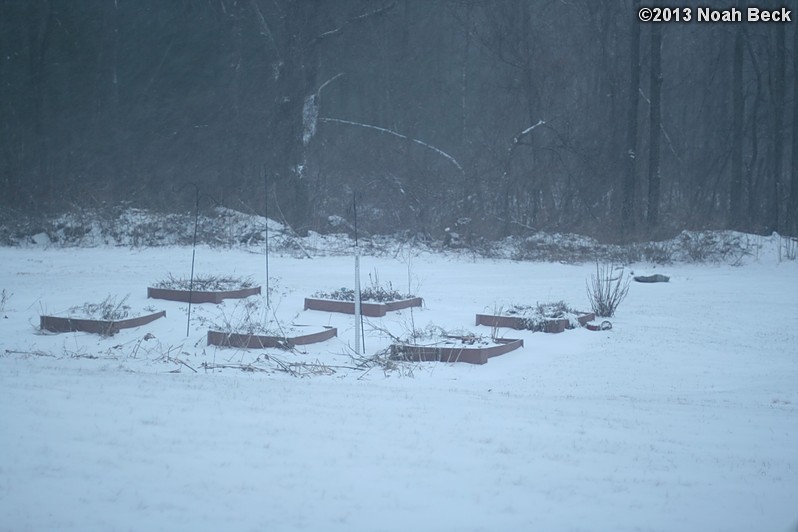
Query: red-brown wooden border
<point x="470" y="355"/>
<point x="256" y="341"/>
<point x="104" y="327"/>
<point x="372" y="310"/>
<point x="516" y="322"/>
<point x="201" y="296"/>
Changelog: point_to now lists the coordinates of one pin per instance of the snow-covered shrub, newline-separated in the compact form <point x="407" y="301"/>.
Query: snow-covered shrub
<point x="714" y="246"/>
<point x="789" y="248"/>
<point x="658" y="252"/>
<point x="535" y="317"/>
<point x="607" y="289"/>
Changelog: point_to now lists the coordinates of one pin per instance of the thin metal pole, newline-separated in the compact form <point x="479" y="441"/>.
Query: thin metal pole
<point x="193" y="256"/>
<point x="266" y="214"/>
<point x="358" y="314"/>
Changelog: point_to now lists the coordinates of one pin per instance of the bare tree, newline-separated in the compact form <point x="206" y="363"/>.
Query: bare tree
<point x="777" y="106"/>
<point x="655" y="124"/>
<point x="630" y="174"/>
<point x="793" y="206"/>
<point x="294" y="32"/>
<point x="418" y="107"/>
<point x="738" y="114"/>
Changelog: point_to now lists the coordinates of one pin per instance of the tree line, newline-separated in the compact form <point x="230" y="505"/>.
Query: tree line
<point x="490" y="118"/>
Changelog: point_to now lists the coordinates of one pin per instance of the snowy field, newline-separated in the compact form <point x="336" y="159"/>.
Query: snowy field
<point x="683" y="417"/>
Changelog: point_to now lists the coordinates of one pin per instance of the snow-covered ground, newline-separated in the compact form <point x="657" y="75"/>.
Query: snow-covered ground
<point x="683" y="417"/>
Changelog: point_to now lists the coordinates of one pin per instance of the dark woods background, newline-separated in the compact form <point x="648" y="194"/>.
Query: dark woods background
<point x="649" y="129"/>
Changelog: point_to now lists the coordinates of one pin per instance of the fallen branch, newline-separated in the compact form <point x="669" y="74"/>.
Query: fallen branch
<point x="31" y="353"/>
<point x="385" y="361"/>
<point x="312" y="368"/>
<point x="181" y="362"/>
<point x="242" y="367"/>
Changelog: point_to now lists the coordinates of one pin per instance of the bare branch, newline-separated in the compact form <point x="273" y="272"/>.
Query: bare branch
<point x="395" y="134"/>
<point x="318" y="92"/>
<point x="158" y="68"/>
<point x="527" y="131"/>
<point x="266" y="30"/>
<point x="662" y="129"/>
<point x="279" y="8"/>
<point x="516" y="141"/>
<point x="310" y="111"/>
<point x="354" y="20"/>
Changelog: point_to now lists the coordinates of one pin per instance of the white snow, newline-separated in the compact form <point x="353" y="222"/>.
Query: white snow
<point x="683" y="417"/>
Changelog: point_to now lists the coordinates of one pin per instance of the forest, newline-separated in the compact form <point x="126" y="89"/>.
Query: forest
<point x="488" y="117"/>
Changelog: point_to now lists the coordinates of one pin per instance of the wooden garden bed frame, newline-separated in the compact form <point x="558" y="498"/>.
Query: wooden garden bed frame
<point x="555" y="325"/>
<point x="104" y="327"/>
<point x="372" y="310"/>
<point x="201" y="296"/>
<point x="255" y="341"/>
<point x="468" y="354"/>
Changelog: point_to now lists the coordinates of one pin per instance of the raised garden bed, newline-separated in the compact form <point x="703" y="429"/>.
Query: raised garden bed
<point x="201" y="296"/>
<point x="367" y="308"/>
<point x="260" y="341"/>
<point x="456" y="349"/>
<point x="207" y="289"/>
<point x="107" y="317"/>
<point x="550" y="318"/>
<point x="96" y="326"/>
<point x="375" y="300"/>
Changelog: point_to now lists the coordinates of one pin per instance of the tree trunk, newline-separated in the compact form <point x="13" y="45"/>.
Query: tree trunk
<point x="655" y="114"/>
<point x="464" y="75"/>
<point x="39" y="36"/>
<point x="793" y="209"/>
<point x="777" y="113"/>
<point x="296" y="76"/>
<point x="754" y="170"/>
<point x="629" y="181"/>
<point x="738" y="112"/>
<point x="10" y="160"/>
